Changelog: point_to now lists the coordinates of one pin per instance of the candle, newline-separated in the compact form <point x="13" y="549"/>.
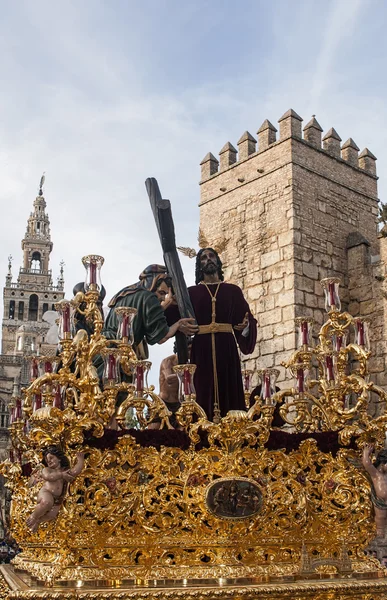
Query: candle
<point x="266" y="386"/>
<point x="339" y="342"/>
<point x="187" y="382"/>
<point x="112" y="367"/>
<point x="300" y="380"/>
<point x="246" y="382"/>
<point x="329" y="365"/>
<point x="66" y="319"/>
<point x="360" y="333"/>
<point x="139" y="378"/>
<point x="304" y="332"/>
<point x="37" y="402"/>
<point x="331" y="291"/>
<point x="18" y="410"/>
<point x="57" y="398"/>
<point x="125" y="326"/>
<point x="93" y="272"/>
<point x="34" y="369"/>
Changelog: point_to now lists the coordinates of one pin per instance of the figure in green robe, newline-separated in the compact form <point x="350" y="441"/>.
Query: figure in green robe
<point x="151" y="295"/>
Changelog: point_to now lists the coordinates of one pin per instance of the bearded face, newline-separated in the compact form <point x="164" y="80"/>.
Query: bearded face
<point x="208" y="262"/>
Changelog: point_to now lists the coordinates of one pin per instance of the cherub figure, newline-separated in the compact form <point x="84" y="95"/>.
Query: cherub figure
<point x="378" y="474"/>
<point x="55" y="475"/>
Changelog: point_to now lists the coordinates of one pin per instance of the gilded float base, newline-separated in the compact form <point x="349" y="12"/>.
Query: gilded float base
<point x="16" y="584"/>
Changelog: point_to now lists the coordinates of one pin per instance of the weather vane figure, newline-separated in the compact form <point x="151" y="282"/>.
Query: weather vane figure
<point x="41" y="184"/>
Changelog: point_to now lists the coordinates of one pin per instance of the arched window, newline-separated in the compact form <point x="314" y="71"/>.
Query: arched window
<point x="20" y="314"/>
<point x="33" y="308"/>
<point x="20" y="343"/>
<point x="11" y="312"/>
<point x="45" y="308"/>
<point x="36" y="261"/>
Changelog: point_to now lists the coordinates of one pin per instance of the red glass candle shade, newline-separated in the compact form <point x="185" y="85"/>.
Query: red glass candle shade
<point x="304" y="327"/>
<point x="361" y="328"/>
<point x="65" y="310"/>
<point x="93" y="264"/>
<point x="247" y="377"/>
<point x="268" y="380"/>
<point x="339" y="340"/>
<point x="48" y="364"/>
<point x="111" y="371"/>
<point x="140" y="373"/>
<point x="331" y="290"/>
<point x="125" y="317"/>
<point x="185" y="374"/>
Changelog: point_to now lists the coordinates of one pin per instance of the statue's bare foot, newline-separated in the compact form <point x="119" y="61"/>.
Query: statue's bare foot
<point x="32" y="524"/>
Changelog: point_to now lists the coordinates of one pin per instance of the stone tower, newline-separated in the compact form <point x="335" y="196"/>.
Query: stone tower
<point x="25" y="302"/>
<point x="298" y="208"/>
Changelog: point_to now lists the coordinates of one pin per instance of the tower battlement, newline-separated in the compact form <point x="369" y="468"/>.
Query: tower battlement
<point x="290" y="126"/>
<point x="287" y="201"/>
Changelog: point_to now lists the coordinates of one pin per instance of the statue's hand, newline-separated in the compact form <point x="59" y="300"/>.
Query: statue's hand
<point x="244" y="323"/>
<point x="169" y="300"/>
<point x="188" y="326"/>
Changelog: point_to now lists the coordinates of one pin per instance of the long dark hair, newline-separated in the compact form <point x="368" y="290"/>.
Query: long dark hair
<point x="381" y="459"/>
<point x="199" y="275"/>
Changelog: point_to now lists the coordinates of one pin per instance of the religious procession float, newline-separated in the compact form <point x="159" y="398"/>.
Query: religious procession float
<point x="275" y="501"/>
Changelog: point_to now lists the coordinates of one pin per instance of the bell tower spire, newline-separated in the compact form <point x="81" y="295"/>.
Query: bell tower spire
<point x="33" y="294"/>
<point x="37" y="244"/>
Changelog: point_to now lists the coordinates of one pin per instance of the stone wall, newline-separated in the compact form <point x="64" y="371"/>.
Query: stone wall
<point x="287" y="210"/>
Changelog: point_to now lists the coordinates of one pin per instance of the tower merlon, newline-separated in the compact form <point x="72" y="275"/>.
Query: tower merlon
<point x="358" y="252"/>
<point x="367" y="161"/>
<point x="331" y="142"/>
<point x="209" y="166"/>
<point x="246" y="145"/>
<point x="266" y="135"/>
<point x="290" y="125"/>
<point x="350" y="152"/>
<point x="228" y="156"/>
<point x="312" y="132"/>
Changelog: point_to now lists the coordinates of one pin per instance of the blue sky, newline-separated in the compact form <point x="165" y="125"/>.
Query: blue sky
<point x="102" y="94"/>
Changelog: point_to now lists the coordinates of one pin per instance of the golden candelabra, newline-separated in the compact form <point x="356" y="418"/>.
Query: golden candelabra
<point x="215" y="502"/>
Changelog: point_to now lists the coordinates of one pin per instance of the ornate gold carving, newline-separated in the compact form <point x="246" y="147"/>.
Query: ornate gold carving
<point x="138" y="513"/>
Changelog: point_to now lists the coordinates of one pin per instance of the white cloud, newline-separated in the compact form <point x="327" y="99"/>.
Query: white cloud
<point x="81" y="105"/>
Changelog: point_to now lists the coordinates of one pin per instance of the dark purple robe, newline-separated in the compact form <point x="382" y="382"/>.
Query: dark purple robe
<point x="231" y="307"/>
